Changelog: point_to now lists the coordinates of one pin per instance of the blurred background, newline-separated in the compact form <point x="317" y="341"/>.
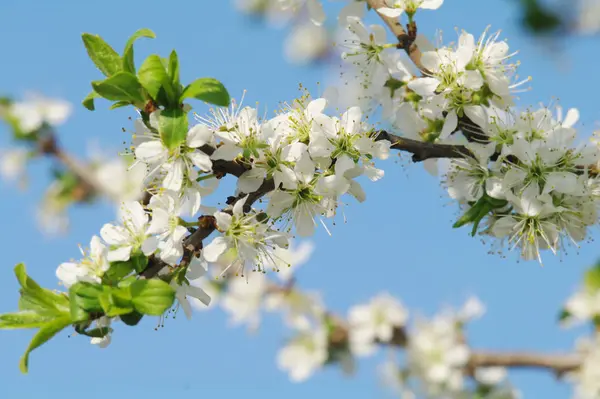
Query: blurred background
<point x="415" y="255"/>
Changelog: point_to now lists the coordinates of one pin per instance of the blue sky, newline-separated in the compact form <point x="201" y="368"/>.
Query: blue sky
<point x="400" y="240"/>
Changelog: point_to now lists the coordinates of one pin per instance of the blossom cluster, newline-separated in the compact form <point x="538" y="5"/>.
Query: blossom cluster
<point x="526" y="182"/>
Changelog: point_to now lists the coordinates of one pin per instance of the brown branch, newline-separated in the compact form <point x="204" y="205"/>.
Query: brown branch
<point x="557" y="363"/>
<point x="422" y="150"/>
<point x="48" y="145"/>
<point x="406" y="41"/>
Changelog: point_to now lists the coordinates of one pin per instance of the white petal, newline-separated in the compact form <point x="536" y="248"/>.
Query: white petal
<point x="431" y="4"/>
<point x="132" y="214"/>
<point x="213" y="250"/>
<point x="227" y="152"/>
<point x="201" y="160"/>
<point x="424" y="86"/>
<point x="198" y="293"/>
<point x="351" y="119"/>
<point x="450" y="125"/>
<point x="114" y="235"/>
<point x="390" y="12"/>
<point x="198" y="136"/>
<point x="251" y="180"/>
<point x="223" y="220"/>
<point x="149" y="245"/>
<point x="120" y="254"/>
<point x="160" y="221"/>
<point x="151" y="152"/>
<point x="174" y="178"/>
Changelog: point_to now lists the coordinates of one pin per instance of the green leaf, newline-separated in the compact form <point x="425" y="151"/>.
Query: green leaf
<point x="114" y="304"/>
<point x="85" y="298"/>
<point x="26" y="319"/>
<point x="131" y="319"/>
<point x="88" y="101"/>
<point x="128" y="62"/>
<point x="102" y="54"/>
<point x="469" y="216"/>
<point x="99" y="332"/>
<point x="118" y="270"/>
<point x="209" y="90"/>
<point x="122" y="86"/>
<point x="592" y="279"/>
<point x="155" y="79"/>
<point x="35" y="297"/>
<point x="174" y="73"/>
<point x="173" y="127"/>
<point x="139" y="261"/>
<point x="152" y="297"/>
<point x="564" y="315"/>
<point x="119" y="104"/>
<point x="44" y="334"/>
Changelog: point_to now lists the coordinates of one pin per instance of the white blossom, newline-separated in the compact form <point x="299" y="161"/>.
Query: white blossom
<point x="375" y="321"/>
<point x="91" y="268"/>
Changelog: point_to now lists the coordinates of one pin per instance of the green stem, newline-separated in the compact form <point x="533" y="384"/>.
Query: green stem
<point x="205" y="177"/>
<point x="188" y="224"/>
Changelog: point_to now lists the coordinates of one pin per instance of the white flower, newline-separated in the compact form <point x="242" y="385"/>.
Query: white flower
<point x="587" y="377"/>
<point x="531" y="228"/>
<point x="395" y="7"/>
<point x="13" y="163"/>
<point x="306" y="353"/>
<point x="240" y="133"/>
<point x="306" y="43"/>
<point x="584" y="305"/>
<point x="253" y="241"/>
<point x="490" y="376"/>
<point x="186" y="291"/>
<point x="468" y="178"/>
<point x="243" y="299"/>
<point x="374" y="322"/>
<point x="437" y="353"/>
<point x="314" y="8"/>
<point x="37" y="110"/>
<point x="287" y="260"/>
<point x="119" y="181"/>
<point x="364" y="49"/>
<point x="91" y="268"/>
<point x="302" y="205"/>
<point x="166" y="212"/>
<point x="104" y="342"/>
<point x="131" y="236"/>
<point x="177" y="163"/>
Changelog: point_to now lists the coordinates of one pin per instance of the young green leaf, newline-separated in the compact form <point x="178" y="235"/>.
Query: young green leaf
<point x="173" y="127"/>
<point x="209" y="90"/>
<point x="26" y="319"/>
<point x="122" y="86"/>
<point x="115" y="304"/>
<point x="119" y="104"/>
<point x="155" y="79"/>
<point x="88" y="101"/>
<point x="34" y="297"/>
<point x="128" y="62"/>
<point x="174" y="73"/>
<point x="102" y="54"/>
<point x="44" y="334"/>
<point x="152" y="297"/>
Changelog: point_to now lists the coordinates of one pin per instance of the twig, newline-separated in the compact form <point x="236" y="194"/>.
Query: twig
<point x="405" y="41"/>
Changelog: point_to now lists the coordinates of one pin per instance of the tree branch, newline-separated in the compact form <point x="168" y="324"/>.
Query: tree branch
<point x="405" y="40"/>
<point x="558" y="363"/>
<point x="422" y="150"/>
